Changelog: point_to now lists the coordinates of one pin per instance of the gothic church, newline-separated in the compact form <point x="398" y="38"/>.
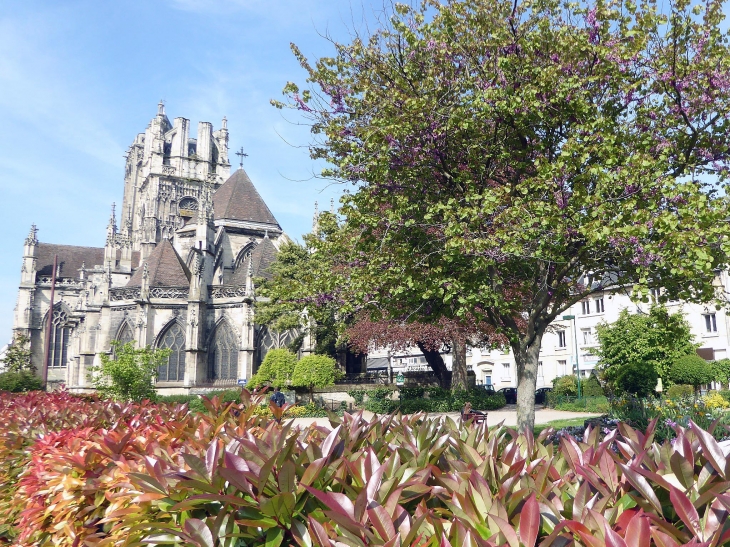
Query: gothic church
<point x="177" y="273"/>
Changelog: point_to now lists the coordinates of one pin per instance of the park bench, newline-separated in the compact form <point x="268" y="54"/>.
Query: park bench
<point x="476" y="418"/>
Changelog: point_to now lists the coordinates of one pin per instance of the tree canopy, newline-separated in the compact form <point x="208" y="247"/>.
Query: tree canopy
<point x="639" y="340"/>
<point x="692" y="370"/>
<point x="508" y="159"/>
<point x="128" y="374"/>
<point x="17" y="356"/>
<point x="315" y="371"/>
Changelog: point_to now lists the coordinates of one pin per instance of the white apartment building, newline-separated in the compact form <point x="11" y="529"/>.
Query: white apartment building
<point x="710" y="327"/>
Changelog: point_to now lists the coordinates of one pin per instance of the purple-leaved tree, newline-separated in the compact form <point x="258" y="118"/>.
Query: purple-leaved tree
<point x="509" y="159"/>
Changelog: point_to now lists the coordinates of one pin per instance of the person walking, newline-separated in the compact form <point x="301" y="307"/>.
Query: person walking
<point x="278" y="398"/>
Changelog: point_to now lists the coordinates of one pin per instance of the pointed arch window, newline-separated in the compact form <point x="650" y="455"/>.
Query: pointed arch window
<point x="174" y="340"/>
<point x="223" y="354"/>
<point x="125" y="334"/>
<point x="60" y="333"/>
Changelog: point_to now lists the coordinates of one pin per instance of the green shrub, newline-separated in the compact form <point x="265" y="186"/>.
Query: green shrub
<point x="592" y="387"/>
<point x="276" y="370"/>
<point x="725" y="394"/>
<point x="358" y="395"/>
<point x="315" y="371"/>
<point x="692" y="370"/>
<point x="678" y="391"/>
<point x="127" y="375"/>
<point x="18" y="382"/>
<point x="565" y="385"/>
<point x="639" y="379"/>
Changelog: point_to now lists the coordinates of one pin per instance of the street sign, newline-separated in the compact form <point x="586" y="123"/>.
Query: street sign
<point x="400" y="379"/>
<point x="242" y="382"/>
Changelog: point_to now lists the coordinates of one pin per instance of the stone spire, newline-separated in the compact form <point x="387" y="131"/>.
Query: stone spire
<point x="111" y="229"/>
<point x="32" y="238"/>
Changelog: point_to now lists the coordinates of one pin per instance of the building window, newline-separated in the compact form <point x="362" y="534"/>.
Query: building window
<point x="599" y="305"/>
<point x="655" y="294"/>
<point x="587" y="336"/>
<point x="505" y="372"/>
<point x="561" y="339"/>
<point x="174" y="369"/>
<point x="488" y="380"/>
<point x="223" y="356"/>
<point x="539" y="369"/>
<point x="59" y="339"/>
<point x="563" y="367"/>
<point x="125" y="334"/>
<point x="585" y="307"/>
<point x="710" y="322"/>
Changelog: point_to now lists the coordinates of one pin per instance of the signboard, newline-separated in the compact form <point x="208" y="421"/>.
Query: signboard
<point x="242" y="382"/>
<point x="400" y="379"/>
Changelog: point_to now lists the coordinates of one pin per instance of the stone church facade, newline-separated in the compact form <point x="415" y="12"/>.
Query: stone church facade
<point x="178" y="272"/>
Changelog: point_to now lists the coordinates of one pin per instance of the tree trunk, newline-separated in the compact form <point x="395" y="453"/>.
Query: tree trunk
<point x="436" y="362"/>
<point x="526" y="358"/>
<point x="458" y="366"/>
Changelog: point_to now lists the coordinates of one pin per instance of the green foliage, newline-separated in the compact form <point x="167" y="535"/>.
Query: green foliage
<point x="670" y="413"/>
<point x="721" y="371"/>
<point x="315" y="371"/>
<point x="358" y="395"/>
<point x="17" y="356"/>
<point x="565" y="385"/>
<point x="499" y="150"/>
<point x="591" y="387"/>
<point x="725" y="394"/>
<point x="430" y="399"/>
<point x="276" y="370"/>
<point x="128" y="374"/>
<point x="287" y="299"/>
<point x="636" y="379"/>
<point x="17" y="382"/>
<point x="680" y="391"/>
<point x="640" y="341"/>
<point x="692" y="370"/>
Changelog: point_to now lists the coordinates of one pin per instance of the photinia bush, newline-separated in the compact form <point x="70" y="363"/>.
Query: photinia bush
<point x="228" y="477"/>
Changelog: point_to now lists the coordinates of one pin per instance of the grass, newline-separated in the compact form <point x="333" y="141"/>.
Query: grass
<point x="560" y="424"/>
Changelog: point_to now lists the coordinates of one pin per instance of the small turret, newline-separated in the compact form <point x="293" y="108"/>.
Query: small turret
<point x="30" y="250"/>
<point x="110" y="250"/>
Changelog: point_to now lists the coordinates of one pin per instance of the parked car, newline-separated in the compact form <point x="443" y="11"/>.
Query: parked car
<point x="510" y="394"/>
<point x="489" y="388"/>
<point x="541" y="395"/>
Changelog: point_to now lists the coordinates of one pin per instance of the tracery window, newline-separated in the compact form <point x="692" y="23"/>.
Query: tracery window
<point x="60" y="332"/>
<point x="125" y="334"/>
<point x="223" y="354"/>
<point x="174" y="369"/>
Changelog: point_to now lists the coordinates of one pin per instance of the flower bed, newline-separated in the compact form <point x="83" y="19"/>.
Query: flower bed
<point x="140" y="473"/>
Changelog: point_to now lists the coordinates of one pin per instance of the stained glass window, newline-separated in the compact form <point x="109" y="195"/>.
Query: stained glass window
<point x="223" y="354"/>
<point x="174" y="369"/>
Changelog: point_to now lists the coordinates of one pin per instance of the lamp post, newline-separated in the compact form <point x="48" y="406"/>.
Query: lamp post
<point x="575" y="337"/>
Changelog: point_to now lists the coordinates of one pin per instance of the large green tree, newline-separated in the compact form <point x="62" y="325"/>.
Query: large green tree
<point x="17" y="356"/>
<point x="640" y="340"/>
<point x="498" y="151"/>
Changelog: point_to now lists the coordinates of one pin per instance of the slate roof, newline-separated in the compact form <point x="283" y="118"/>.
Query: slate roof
<point x="263" y="255"/>
<point x="71" y="257"/>
<point x="165" y="268"/>
<point x="238" y="199"/>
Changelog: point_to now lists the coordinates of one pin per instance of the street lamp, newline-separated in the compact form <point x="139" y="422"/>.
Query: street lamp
<point x="575" y="337"/>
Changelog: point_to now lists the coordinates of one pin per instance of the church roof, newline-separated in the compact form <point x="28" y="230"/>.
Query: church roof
<point x="262" y="256"/>
<point x="238" y="199"/>
<point x="71" y="257"/>
<point x="165" y="268"/>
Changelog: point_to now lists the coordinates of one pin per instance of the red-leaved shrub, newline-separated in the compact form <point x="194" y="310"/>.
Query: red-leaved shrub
<point x="230" y="477"/>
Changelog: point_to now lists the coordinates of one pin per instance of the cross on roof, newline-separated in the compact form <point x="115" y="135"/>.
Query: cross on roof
<point x="242" y="155"/>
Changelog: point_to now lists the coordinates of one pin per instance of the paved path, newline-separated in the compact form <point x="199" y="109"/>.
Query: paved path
<point x="508" y="415"/>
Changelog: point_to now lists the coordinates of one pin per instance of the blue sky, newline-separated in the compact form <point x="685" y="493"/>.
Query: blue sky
<point x="79" y="79"/>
